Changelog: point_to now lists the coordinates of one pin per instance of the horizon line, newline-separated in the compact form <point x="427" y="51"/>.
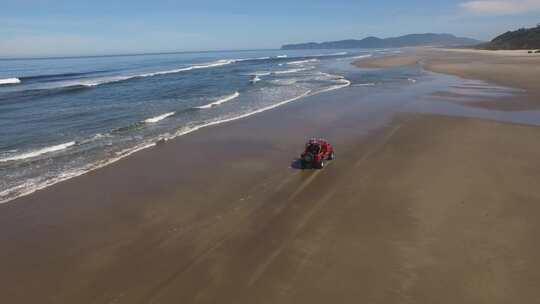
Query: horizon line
<point x="130" y="54"/>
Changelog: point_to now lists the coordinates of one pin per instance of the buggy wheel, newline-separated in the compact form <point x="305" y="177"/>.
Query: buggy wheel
<point x="320" y="165"/>
<point x="332" y="156"/>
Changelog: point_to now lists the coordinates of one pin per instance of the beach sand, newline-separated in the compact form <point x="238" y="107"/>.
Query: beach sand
<point x="422" y="209"/>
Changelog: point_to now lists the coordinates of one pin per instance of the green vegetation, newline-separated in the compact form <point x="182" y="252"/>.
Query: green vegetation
<point x="516" y="40"/>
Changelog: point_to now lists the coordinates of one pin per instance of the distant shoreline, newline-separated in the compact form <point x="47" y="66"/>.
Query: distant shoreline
<point x="514" y="68"/>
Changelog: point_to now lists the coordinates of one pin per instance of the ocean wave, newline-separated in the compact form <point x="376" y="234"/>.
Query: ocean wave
<point x="158" y="118"/>
<point x="299" y="62"/>
<point x="10" y="81"/>
<point x="113" y="79"/>
<point x="362" y="56"/>
<point x="290" y="71"/>
<point x="219" y="101"/>
<point x="368" y="84"/>
<point x="260" y="74"/>
<point x="38" y="152"/>
<point x="282" y="56"/>
<point x="97" y="136"/>
<point x="252" y="59"/>
<point x="255" y="79"/>
<point x="220" y="121"/>
<point x="285" y="82"/>
<point x="60" y="75"/>
<point x="329" y="55"/>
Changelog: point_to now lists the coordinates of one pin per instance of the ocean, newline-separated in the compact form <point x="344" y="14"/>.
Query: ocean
<point x="63" y="117"/>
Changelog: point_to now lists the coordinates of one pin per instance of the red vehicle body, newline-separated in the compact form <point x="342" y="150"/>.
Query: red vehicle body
<point x="317" y="151"/>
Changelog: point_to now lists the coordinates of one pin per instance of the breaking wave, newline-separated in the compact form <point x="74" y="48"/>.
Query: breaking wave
<point x="290" y="71"/>
<point x="255" y="79"/>
<point x="113" y="79"/>
<point x="302" y="61"/>
<point x="38" y="152"/>
<point x="362" y="56"/>
<point x="219" y="101"/>
<point x="158" y="118"/>
<point x="10" y="81"/>
<point x="333" y="54"/>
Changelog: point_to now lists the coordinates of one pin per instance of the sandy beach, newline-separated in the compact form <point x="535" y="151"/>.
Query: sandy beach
<point x="417" y="207"/>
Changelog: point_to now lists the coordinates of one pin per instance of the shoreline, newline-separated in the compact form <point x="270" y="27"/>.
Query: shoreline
<point x="416" y="208"/>
<point x="104" y="163"/>
<point x="517" y="70"/>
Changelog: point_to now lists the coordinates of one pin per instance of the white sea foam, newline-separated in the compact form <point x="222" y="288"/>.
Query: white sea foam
<point x="10" y="81"/>
<point x="158" y="118"/>
<point x="299" y="62"/>
<point x="289" y="81"/>
<point x="38" y="152"/>
<point x="341" y="83"/>
<point x="217" y="122"/>
<point x="411" y="80"/>
<point x="105" y="80"/>
<point x="255" y="79"/>
<point x="282" y="56"/>
<point x="290" y="71"/>
<point x="261" y="74"/>
<point x="249" y="59"/>
<point x="333" y="54"/>
<point x="220" y="101"/>
<point x="368" y="84"/>
<point x="362" y="56"/>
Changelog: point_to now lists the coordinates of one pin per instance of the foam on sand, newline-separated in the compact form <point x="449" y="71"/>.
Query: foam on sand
<point x="10" y="81"/>
<point x="38" y="152"/>
<point x="220" y="101"/>
<point x="159" y="117"/>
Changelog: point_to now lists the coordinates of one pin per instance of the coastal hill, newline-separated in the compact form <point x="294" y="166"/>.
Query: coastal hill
<point x="401" y="41"/>
<point x="524" y="38"/>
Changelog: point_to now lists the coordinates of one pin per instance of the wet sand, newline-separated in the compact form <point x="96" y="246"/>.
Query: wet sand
<point x="510" y="68"/>
<point x="417" y="208"/>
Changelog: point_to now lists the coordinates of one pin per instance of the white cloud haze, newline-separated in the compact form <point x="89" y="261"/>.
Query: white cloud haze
<point x="501" y="7"/>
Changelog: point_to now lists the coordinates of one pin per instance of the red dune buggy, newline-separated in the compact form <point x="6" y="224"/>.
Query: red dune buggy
<point x="316" y="153"/>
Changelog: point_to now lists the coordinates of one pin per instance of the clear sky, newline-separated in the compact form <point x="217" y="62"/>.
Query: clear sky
<point x="76" y="27"/>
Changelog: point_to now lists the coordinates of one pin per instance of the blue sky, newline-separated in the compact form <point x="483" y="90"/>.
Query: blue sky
<point x="75" y="27"/>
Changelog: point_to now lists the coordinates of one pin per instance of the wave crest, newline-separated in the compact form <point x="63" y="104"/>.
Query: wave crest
<point x="299" y="62"/>
<point x="219" y="101"/>
<point x="10" y="81"/>
<point x="38" y="152"/>
<point x="159" y="117"/>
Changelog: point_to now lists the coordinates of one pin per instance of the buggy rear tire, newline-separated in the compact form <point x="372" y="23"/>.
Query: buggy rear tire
<point x="332" y="156"/>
